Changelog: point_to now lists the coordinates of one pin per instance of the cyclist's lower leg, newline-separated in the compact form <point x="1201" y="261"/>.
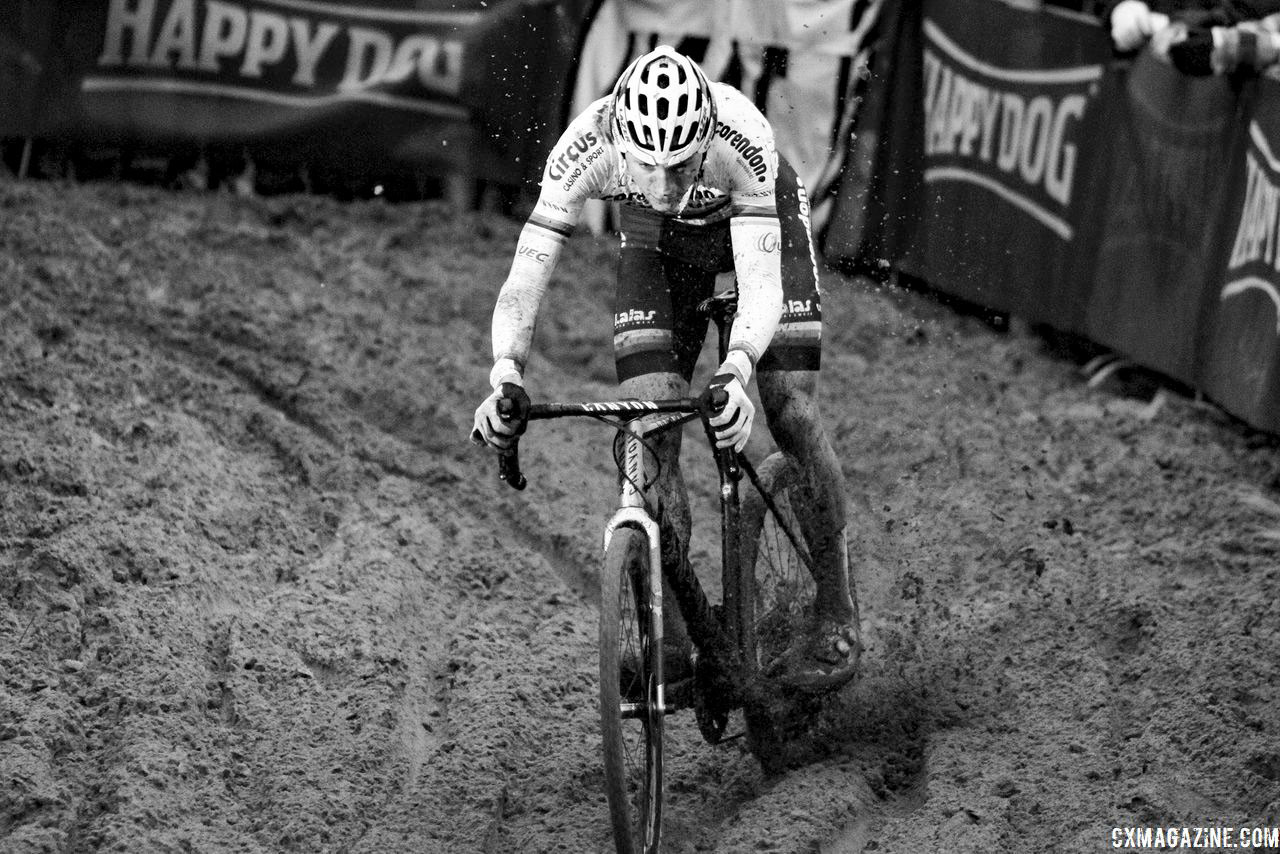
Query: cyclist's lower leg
<point x="789" y="399"/>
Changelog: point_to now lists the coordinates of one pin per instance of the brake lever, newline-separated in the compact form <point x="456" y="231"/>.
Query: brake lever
<point x="714" y="402"/>
<point x="509" y="459"/>
<point x="509" y="468"/>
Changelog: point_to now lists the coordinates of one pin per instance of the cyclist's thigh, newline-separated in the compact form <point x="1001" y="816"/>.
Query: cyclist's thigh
<point x="657" y="328"/>
<point x="797" y="344"/>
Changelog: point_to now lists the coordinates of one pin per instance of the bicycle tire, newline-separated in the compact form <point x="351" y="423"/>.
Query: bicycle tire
<point x="782" y="604"/>
<point x="632" y="745"/>
<point x="784" y="587"/>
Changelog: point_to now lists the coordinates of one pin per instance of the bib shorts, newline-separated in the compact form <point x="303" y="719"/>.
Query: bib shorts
<point x="667" y="267"/>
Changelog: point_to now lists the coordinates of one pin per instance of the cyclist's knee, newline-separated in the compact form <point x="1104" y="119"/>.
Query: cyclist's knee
<point x="791" y="409"/>
<point x="654" y="386"/>
<point x="789" y="400"/>
<point x="658" y="386"/>
<point x="788" y="391"/>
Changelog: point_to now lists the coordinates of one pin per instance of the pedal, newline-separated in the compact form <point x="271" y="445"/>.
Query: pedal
<point x="711" y="724"/>
<point x="712" y="701"/>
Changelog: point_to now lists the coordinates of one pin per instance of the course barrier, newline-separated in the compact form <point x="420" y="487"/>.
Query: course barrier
<point x="1033" y="173"/>
<point x="1119" y="200"/>
<point x="476" y="88"/>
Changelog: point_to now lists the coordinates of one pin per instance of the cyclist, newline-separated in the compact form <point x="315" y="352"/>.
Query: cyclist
<point x="703" y="191"/>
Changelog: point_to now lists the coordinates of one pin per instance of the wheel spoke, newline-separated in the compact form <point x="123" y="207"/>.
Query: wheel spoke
<point x="784" y="586"/>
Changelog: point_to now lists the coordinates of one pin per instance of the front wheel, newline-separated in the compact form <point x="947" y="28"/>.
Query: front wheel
<point x="630" y="715"/>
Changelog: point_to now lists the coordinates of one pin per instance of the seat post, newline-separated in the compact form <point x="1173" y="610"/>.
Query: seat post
<point x="721" y="308"/>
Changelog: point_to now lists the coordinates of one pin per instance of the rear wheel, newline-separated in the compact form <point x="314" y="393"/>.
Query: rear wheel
<point x="774" y="550"/>
<point x="631" y="721"/>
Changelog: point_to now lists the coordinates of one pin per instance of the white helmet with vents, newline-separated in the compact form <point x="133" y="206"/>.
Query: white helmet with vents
<point x="663" y="112"/>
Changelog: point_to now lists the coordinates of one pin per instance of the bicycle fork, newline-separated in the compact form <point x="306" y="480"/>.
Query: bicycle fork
<point x="724" y="638"/>
<point x="632" y="511"/>
<point x="707" y="632"/>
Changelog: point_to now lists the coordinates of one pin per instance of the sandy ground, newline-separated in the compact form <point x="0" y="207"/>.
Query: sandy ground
<point x="258" y="594"/>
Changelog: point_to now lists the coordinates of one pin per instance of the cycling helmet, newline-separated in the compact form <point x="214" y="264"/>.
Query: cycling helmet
<point x="663" y="112"/>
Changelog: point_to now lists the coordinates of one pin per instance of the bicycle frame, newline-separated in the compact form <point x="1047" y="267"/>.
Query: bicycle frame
<point x="738" y="594"/>
<point x="736" y="630"/>
<point x="727" y="675"/>
<point x="632" y="509"/>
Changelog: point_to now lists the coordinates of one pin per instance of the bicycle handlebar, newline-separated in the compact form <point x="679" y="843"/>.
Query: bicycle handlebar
<point x="509" y="460"/>
<point x="710" y="404"/>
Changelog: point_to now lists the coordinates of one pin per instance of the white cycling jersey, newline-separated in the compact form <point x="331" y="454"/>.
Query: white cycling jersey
<point x="737" y="183"/>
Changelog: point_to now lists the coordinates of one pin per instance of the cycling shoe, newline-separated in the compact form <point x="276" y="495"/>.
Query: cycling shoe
<point x="825" y="660"/>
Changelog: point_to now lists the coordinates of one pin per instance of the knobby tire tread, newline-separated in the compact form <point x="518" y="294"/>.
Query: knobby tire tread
<point x="770" y="719"/>
<point x="622" y="632"/>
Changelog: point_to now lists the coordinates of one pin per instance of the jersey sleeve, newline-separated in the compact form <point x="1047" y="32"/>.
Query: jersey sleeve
<point x="746" y="142"/>
<point x="575" y="171"/>
<point x="578" y="167"/>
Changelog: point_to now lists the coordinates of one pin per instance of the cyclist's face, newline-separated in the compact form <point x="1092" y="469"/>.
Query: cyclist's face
<point x="665" y="186"/>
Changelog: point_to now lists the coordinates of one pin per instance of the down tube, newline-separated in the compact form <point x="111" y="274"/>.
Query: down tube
<point x="739" y="586"/>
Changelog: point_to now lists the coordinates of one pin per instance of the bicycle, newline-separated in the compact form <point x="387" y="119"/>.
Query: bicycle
<point x="767" y="588"/>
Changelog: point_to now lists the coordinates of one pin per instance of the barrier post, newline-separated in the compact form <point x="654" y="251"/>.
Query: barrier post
<point x="25" y="163"/>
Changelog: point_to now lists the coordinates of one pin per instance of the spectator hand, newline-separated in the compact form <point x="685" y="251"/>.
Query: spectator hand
<point x="733" y="423"/>
<point x="1132" y="23"/>
<point x="498" y="430"/>
<point x="1246" y="46"/>
<point x="1192" y="53"/>
<point x="1163" y="41"/>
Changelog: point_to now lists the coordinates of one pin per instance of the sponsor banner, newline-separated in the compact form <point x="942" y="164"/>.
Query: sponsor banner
<point x="1242" y="355"/>
<point x="288" y="54"/>
<point x="1175" y="146"/>
<point x="1009" y="125"/>
<point x="1160" y="241"/>
<point x="26" y="35"/>
<point x="878" y="194"/>
<point x="417" y="82"/>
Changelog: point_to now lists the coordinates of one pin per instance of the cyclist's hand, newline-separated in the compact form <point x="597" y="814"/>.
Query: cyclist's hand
<point x="496" y="429"/>
<point x="733" y="423"/>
